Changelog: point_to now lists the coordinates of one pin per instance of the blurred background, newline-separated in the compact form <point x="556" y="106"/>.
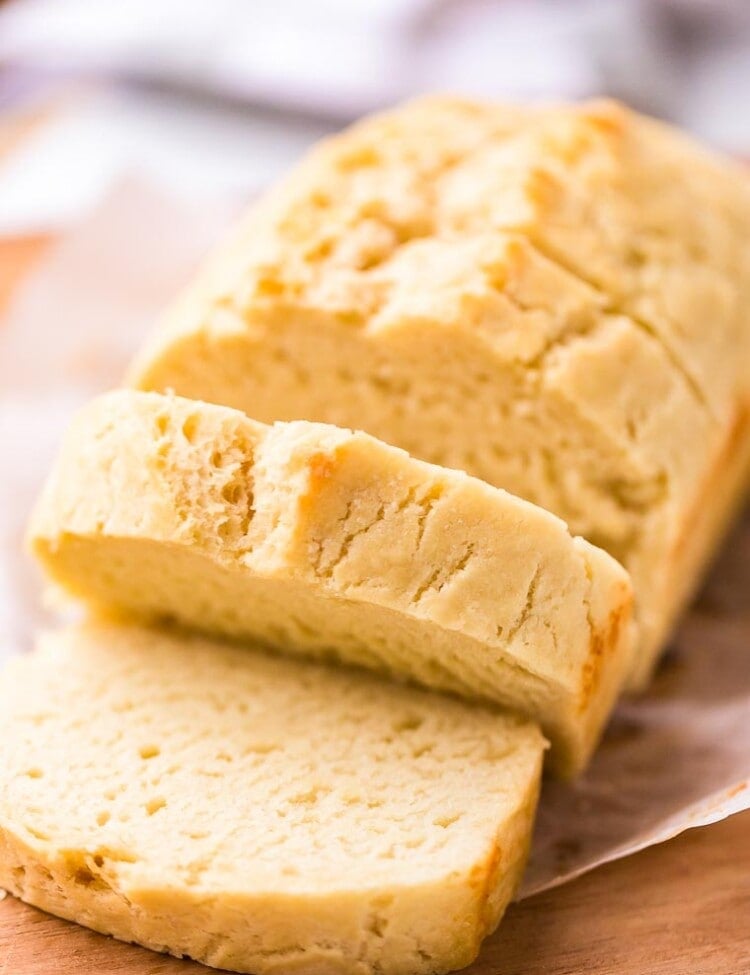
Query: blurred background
<point x="213" y="97"/>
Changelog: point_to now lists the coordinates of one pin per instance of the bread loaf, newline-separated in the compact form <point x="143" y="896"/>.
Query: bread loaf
<point x="258" y="814"/>
<point x="322" y="541"/>
<point x="554" y="299"/>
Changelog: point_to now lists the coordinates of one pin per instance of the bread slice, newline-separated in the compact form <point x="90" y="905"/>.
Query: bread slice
<point x="327" y="542"/>
<point x="554" y="299"/>
<point x="258" y="814"/>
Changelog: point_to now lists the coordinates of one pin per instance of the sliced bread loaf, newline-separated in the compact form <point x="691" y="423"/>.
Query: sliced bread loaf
<point x="327" y="542"/>
<point x="258" y="814"/>
<point x="554" y="299"/>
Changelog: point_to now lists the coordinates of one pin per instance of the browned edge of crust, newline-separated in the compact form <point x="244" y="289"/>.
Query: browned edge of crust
<point x="705" y="522"/>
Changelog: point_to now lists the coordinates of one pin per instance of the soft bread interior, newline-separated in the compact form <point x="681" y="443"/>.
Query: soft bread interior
<point x="254" y="813"/>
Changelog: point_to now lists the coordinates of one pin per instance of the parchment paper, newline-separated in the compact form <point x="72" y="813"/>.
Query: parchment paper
<point x="675" y="758"/>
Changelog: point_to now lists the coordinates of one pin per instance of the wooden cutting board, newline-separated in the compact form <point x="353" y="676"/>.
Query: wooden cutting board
<point x="679" y="909"/>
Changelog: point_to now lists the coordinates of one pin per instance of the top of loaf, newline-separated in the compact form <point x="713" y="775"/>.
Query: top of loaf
<point x="415" y="212"/>
<point x="521" y="224"/>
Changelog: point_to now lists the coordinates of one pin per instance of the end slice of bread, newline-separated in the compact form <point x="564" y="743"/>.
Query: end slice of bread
<point x="256" y="813"/>
<point x="327" y="542"/>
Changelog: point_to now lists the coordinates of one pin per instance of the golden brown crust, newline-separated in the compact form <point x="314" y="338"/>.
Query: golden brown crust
<point x="720" y="494"/>
<point x="604" y="642"/>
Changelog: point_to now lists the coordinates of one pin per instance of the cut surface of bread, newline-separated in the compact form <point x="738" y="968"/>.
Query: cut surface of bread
<point x="554" y="299"/>
<point x="319" y="540"/>
<point x="255" y="813"/>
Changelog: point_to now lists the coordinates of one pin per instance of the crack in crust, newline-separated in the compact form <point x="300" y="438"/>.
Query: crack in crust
<point x="528" y="605"/>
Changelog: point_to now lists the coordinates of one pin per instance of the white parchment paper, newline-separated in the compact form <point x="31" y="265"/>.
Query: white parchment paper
<point x="677" y="757"/>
